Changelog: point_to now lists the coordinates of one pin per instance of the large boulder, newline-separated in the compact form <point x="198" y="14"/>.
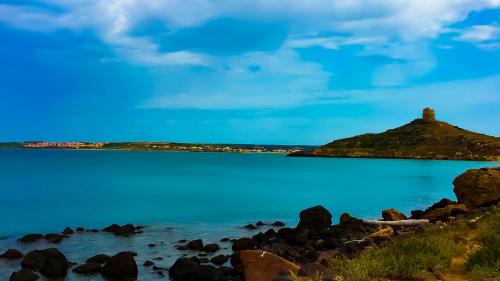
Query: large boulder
<point x="88" y="268"/>
<point x="49" y="262"/>
<point x="264" y="266"/>
<point x="316" y="219"/>
<point x="100" y="259"/>
<point x="30" y="238"/>
<point x="23" y="275"/>
<point x="11" y="254"/>
<point x="393" y="215"/>
<point x="444" y="213"/>
<point x="478" y="187"/>
<point x="120" y="266"/>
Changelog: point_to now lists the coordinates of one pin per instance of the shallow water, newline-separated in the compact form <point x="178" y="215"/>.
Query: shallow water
<point x="200" y="195"/>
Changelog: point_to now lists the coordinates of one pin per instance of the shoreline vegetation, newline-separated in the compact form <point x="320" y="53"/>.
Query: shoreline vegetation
<point x="450" y="240"/>
<point x="158" y="146"/>
<point x="422" y="138"/>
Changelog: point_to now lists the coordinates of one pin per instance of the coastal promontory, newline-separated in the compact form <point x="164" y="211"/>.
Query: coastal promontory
<point x="422" y="138"/>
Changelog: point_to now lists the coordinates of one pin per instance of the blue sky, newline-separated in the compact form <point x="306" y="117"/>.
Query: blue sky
<point x="224" y="71"/>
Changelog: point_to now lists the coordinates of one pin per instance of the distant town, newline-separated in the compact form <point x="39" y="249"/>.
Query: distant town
<point x="160" y="146"/>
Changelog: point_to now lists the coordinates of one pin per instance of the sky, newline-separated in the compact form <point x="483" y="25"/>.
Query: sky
<point x="246" y="71"/>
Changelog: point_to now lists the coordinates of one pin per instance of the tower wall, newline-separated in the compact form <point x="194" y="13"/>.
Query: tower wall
<point x="428" y="114"/>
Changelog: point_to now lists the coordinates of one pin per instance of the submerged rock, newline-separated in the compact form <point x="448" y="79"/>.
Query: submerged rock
<point x="30" y="238"/>
<point x="11" y="254"/>
<point x="195" y="245"/>
<point x="100" y="259"/>
<point x="316" y="219"/>
<point x="478" y="187"/>
<point x="120" y="266"/>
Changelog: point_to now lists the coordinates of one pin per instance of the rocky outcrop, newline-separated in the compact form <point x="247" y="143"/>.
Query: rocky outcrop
<point x="124" y="230"/>
<point x="30" y="238"/>
<point x="444" y="213"/>
<point x="393" y="215"/>
<point x="264" y="266"/>
<point x="120" y="266"/>
<point x="316" y="219"/>
<point x="478" y="187"/>
<point x="190" y="269"/>
<point x="88" y="268"/>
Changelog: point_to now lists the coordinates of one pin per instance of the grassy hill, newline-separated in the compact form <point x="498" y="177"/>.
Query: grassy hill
<point x="419" y="139"/>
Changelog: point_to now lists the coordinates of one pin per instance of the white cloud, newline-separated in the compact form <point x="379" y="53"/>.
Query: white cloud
<point x="365" y="22"/>
<point x="484" y="36"/>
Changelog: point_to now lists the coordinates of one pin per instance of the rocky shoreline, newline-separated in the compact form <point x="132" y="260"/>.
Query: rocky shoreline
<point x="269" y="255"/>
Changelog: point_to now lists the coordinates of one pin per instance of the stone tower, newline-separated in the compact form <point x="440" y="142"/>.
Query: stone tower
<point x="428" y="114"/>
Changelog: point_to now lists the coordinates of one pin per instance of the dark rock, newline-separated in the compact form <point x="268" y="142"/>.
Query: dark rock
<point x="158" y="258"/>
<point x="417" y="214"/>
<point x="250" y="227"/>
<point x="160" y="272"/>
<point x="120" y="266"/>
<point x="195" y="245"/>
<point x="211" y="248"/>
<point x="219" y="259"/>
<point x="182" y="241"/>
<point x="270" y="233"/>
<point x="225" y="239"/>
<point x="259" y="223"/>
<point x="393" y="215"/>
<point x="203" y="260"/>
<point x="100" y="259"/>
<point x="345" y="218"/>
<point x="184" y="269"/>
<point x="278" y="224"/>
<point x="150" y="245"/>
<point x="23" y="275"/>
<point x="478" y="187"/>
<point x="94" y="230"/>
<point x="181" y="247"/>
<point x="11" y="254"/>
<point x="54" y="237"/>
<point x="316" y="219"/>
<point x="125" y="230"/>
<point x="112" y="228"/>
<point x="56" y="264"/>
<point x="148" y="263"/>
<point x="34" y="260"/>
<point x="30" y="238"/>
<point x="312" y="270"/>
<point x="243" y="244"/>
<point x="88" y="268"/>
<point x="68" y="231"/>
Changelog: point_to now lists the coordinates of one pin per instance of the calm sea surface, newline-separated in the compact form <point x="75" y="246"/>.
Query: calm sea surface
<point x="199" y="195"/>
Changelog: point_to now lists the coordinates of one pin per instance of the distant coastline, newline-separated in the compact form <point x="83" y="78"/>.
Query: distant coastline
<point x="158" y="146"/>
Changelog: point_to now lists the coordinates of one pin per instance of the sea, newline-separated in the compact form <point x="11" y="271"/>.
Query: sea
<point x="190" y="195"/>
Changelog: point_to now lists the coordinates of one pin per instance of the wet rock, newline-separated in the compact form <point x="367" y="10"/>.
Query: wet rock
<point x="182" y="241"/>
<point x="148" y="263"/>
<point x="56" y="264"/>
<point x="30" y="238"/>
<point x="250" y="227"/>
<point x="312" y="270"/>
<point x="184" y="269"/>
<point x="211" y="248"/>
<point x="181" y="247"/>
<point x="442" y="214"/>
<point x="393" y="215"/>
<point x="88" y="268"/>
<point x="23" y="275"/>
<point x="111" y="228"/>
<point x="243" y="244"/>
<point x="124" y="230"/>
<point x="80" y="229"/>
<point x="68" y="231"/>
<point x="264" y="266"/>
<point x="120" y="266"/>
<point x="316" y="219"/>
<point x="100" y="259"/>
<point x="54" y="237"/>
<point x="203" y="260"/>
<point x="259" y="223"/>
<point x="34" y="260"/>
<point x="195" y="245"/>
<point x="417" y="214"/>
<point x="278" y="224"/>
<point x="225" y="239"/>
<point x="151" y="245"/>
<point x="478" y="187"/>
<point x="219" y="259"/>
<point x="11" y="254"/>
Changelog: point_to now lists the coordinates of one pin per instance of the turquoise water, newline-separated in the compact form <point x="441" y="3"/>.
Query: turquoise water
<point x="205" y="195"/>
